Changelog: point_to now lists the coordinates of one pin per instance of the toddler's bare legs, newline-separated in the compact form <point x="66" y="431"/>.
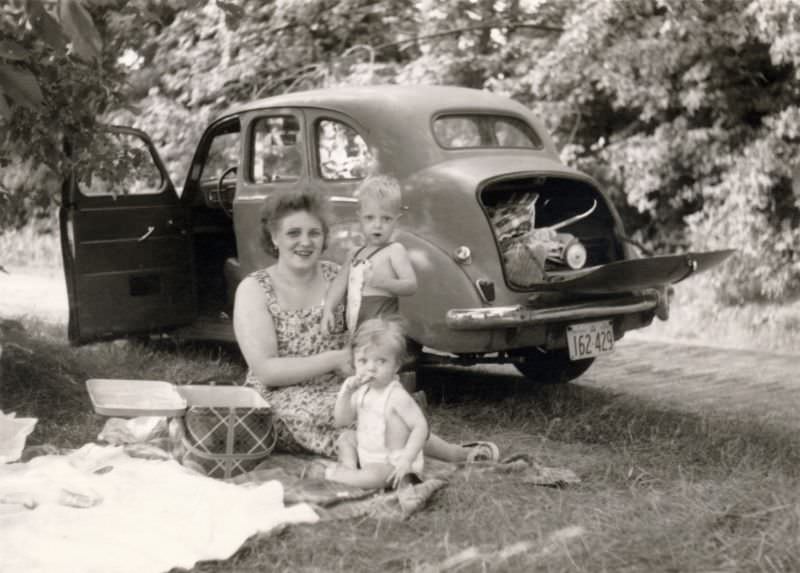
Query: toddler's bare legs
<point x="397" y="435"/>
<point x="369" y="477"/>
<point x="438" y="448"/>
<point x="346" y="448"/>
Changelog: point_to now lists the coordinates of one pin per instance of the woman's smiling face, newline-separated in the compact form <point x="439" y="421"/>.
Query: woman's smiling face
<point x="299" y="238"/>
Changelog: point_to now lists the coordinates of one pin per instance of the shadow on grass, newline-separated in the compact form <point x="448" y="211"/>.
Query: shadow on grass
<point x="44" y="377"/>
<point x="573" y="413"/>
<point x="453" y="386"/>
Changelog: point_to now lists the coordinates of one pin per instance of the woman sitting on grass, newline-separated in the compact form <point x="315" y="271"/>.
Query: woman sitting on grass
<point x="277" y="319"/>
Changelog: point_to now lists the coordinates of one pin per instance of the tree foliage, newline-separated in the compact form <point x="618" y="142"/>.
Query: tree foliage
<point x="55" y="79"/>
<point x="684" y="110"/>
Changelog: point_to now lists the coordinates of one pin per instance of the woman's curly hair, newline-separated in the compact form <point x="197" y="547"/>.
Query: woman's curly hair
<point x="278" y="205"/>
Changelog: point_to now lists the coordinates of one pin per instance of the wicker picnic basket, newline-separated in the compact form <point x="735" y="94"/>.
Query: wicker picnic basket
<point x="225" y="431"/>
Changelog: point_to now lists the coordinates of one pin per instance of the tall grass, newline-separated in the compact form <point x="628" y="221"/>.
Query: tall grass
<point x="662" y="490"/>
<point x="696" y="317"/>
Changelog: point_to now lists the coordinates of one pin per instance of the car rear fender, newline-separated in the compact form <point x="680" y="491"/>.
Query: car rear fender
<point x="442" y="284"/>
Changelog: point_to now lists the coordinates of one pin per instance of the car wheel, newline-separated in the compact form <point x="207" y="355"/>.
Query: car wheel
<point x="550" y="366"/>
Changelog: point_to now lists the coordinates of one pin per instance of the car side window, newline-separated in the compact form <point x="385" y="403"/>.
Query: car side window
<point x="277" y="149"/>
<point x="129" y="168"/>
<point x="223" y="152"/>
<point x="342" y="153"/>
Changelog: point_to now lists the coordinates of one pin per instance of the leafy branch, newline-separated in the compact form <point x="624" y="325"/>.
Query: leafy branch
<point x="474" y="28"/>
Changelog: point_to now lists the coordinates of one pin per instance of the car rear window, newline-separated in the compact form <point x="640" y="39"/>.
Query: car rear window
<point x="460" y="131"/>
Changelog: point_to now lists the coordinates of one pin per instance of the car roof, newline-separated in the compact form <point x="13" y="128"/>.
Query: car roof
<point x="396" y="118"/>
<point x="358" y="100"/>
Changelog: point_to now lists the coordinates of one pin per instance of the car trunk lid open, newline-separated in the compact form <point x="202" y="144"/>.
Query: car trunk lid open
<point x="547" y="226"/>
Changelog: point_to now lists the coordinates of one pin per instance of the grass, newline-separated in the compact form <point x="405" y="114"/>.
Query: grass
<point x="696" y="318"/>
<point x="662" y="490"/>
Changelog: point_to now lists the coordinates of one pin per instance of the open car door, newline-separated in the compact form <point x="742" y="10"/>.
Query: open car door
<point x="127" y="248"/>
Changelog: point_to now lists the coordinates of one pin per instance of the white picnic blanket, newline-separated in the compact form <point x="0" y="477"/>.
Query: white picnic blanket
<point x="100" y="510"/>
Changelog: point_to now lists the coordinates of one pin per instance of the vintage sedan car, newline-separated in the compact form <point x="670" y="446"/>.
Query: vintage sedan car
<point x="519" y="258"/>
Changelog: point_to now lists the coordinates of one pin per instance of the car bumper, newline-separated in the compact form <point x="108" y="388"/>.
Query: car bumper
<point x="485" y="318"/>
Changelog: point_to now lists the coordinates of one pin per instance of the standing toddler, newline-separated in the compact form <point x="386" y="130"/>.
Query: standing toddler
<point x="375" y="275"/>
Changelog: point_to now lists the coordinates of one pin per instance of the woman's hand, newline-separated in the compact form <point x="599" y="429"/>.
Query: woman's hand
<point x="328" y="321"/>
<point x="345" y="366"/>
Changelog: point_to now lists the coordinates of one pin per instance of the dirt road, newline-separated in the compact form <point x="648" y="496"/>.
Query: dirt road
<point x="42" y="294"/>
<point x="700" y="378"/>
<point x="696" y="378"/>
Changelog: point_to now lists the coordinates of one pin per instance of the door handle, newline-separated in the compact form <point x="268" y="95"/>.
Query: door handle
<point x="150" y="230"/>
<point x="176" y="226"/>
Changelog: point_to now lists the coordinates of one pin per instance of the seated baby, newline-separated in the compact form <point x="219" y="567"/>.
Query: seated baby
<point x="391" y="429"/>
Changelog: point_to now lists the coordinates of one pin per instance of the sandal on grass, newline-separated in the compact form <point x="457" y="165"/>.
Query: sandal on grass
<point x="482" y="452"/>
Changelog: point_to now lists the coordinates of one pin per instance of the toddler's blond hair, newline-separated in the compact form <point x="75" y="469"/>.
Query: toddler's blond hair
<point x="386" y="331"/>
<point x="383" y="188"/>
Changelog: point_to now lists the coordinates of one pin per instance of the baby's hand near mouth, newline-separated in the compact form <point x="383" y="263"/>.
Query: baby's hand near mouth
<point x="356" y="381"/>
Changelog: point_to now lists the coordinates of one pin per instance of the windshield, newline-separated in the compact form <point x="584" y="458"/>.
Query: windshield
<point x="484" y="130"/>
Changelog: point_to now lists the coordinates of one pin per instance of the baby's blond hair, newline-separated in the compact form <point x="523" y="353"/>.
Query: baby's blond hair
<point x="386" y="331"/>
<point x="383" y="188"/>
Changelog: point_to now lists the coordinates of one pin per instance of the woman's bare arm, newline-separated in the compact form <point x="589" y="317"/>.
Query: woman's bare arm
<point x="338" y="287"/>
<point x="255" y="333"/>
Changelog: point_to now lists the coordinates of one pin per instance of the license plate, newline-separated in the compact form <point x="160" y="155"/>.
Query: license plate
<point x="590" y="339"/>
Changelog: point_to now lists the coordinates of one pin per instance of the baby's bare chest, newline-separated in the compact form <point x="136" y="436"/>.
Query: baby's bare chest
<point x="379" y="264"/>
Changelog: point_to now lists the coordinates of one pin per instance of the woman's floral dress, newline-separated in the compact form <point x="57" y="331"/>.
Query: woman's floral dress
<point x="304" y="411"/>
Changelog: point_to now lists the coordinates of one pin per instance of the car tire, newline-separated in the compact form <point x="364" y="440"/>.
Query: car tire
<point x="550" y="366"/>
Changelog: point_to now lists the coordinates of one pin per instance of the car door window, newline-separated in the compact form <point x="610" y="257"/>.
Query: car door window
<point x="128" y="168"/>
<point x="277" y="149"/>
<point x="223" y="153"/>
<point x="342" y="153"/>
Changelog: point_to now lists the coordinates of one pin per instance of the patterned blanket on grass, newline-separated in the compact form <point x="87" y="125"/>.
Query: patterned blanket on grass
<point x="337" y="501"/>
<point x="299" y="475"/>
